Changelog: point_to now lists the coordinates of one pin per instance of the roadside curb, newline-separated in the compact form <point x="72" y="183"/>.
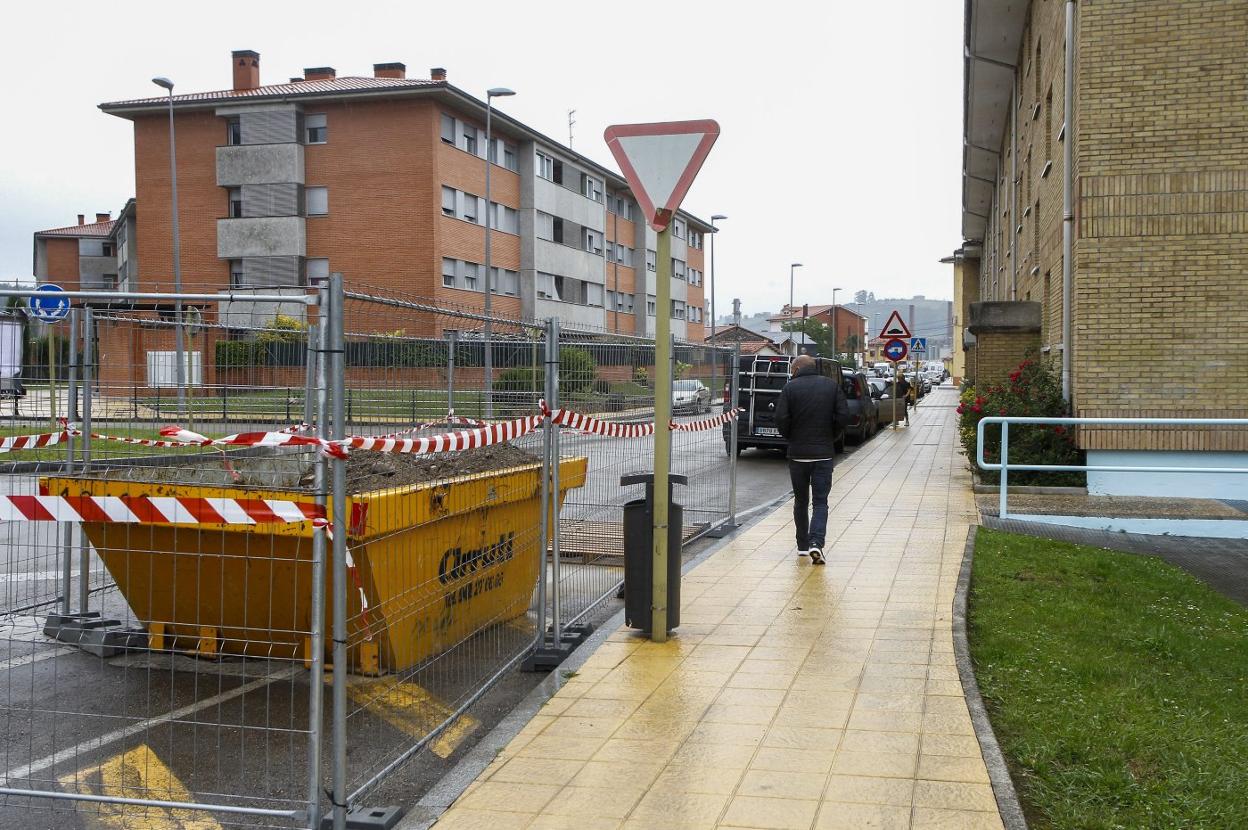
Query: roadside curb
<point x="425" y="812"/>
<point x="998" y="772"/>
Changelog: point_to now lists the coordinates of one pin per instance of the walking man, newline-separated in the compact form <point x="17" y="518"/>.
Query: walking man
<point x="810" y="411"/>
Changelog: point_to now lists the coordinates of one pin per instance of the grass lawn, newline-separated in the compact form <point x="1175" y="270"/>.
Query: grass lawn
<point x="1116" y="684"/>
<point x="99" y="449"/>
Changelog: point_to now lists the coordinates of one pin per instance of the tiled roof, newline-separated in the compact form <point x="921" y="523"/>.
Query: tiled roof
<point x="785" y="314"/>
<point x="756" y="346"/>
<point x="326" y="87"/>
<point x="93" y="229"/>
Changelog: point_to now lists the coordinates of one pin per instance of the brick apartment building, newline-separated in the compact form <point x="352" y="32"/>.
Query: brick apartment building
<point x="382" y="178"/>
<point x="1157" y="319"/>
<point x="849" y="326"/>
<point x="88" y="255"/>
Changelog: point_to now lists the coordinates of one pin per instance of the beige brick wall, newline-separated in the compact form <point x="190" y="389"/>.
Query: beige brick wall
<point x="996" y="354"/>
<point x="1161" y="300"/>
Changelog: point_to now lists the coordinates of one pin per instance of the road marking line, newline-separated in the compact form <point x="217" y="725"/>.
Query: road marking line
<point x="414" y="711"/>
<point x="27" y="770"/>
<point x="138" y="773"/>
<point x="36" y="657"/>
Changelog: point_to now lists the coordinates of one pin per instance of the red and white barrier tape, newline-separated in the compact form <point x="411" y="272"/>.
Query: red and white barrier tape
<point x="30" y="442"/>
<point x="156" y="510"/>
<point x="255" y="439"/>
<point x="707" y="423"/>
<point x="353" y="572"/>
<point x="464" y="439"/>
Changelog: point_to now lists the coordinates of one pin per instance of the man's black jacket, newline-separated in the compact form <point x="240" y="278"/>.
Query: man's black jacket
<point x="810" y="410"/>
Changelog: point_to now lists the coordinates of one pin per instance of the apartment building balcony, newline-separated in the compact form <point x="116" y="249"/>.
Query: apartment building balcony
<point x="567" y="261"/>
<point x="574" y="314"/>
<point x="241" y="164"/>
<point x="266" y="236"/>
<point x="558" y="200"/>
<point x="92" y="271"/>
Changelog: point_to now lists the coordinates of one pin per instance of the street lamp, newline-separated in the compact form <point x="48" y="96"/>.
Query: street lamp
<point x="792" y="268"/>
<point x="179" y="345"/>
<point x="719" y="217"/>
<point x="835" y="348"/>
<point x="490" y="95"/>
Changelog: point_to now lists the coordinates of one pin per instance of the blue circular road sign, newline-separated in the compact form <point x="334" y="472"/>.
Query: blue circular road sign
<point x="895" y="349"/>
<point x="50" y="305"/>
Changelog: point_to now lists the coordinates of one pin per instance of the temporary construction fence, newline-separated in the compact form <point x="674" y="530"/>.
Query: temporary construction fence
<point x="173" y="595"/>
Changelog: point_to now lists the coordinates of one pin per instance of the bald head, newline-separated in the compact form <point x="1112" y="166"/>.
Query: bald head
<point x="802" y="361"/>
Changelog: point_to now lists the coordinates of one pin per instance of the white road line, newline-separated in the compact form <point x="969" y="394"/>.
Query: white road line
<point x="27" y="770"/>
<point x="36" y="657"/>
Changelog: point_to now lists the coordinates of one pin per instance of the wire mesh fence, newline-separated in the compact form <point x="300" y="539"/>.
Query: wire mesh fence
<point x="182" y="634"/>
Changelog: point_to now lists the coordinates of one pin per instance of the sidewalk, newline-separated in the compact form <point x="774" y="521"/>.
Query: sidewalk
<point x="791" y="696"/>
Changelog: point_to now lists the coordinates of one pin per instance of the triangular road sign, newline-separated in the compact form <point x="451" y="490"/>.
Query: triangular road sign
<point x="894" y="327"/>
<point x="660" y="162"/>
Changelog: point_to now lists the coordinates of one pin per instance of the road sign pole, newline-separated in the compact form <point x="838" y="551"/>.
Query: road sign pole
<point x="894" y="396"/>
<point x="662" y="434"/>
<point x="50" y="340"/>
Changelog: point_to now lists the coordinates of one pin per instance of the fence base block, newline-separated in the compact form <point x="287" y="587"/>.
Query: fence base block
<point x="93" y="634"/>
<point x="367" y="818"/>
<point x="725" y="528"/>
<point x="550" y="654"/>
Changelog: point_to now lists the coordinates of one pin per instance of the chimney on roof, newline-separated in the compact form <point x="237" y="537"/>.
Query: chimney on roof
<point x="296" y="80"/>
<point x="389" y="70"/>
<point x="104" y="217"/>
<point x="246" y="65"/>
<point x="319" y="73"/>
<point x="82" y="220"/>
<point x="437" y="74"/>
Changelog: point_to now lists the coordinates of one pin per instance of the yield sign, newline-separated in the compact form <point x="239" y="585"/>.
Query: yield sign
<point x="660" y="162"/>
<point x="894" y="327"/>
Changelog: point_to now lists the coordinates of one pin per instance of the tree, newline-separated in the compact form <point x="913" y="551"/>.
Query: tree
<point x="860" y="297"/>
<point x="816" y="332"/>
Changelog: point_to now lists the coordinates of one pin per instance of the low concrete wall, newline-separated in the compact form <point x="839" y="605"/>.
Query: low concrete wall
<point x="1187" y="485"/>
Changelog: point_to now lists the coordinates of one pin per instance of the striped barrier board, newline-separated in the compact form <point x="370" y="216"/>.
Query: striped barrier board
<point x="156" y="510"/>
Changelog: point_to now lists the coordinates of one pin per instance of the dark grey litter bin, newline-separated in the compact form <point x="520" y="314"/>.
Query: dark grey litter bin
<point x="639" y="553"/>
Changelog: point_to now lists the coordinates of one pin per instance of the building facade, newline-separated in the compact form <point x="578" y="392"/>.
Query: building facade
<point x="89" y="255"/>
<point x="1105" y="228"/>
<point x="382" y="178"/>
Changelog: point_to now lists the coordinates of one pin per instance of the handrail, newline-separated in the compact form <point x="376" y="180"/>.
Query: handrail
<point x="1004" y="466"/>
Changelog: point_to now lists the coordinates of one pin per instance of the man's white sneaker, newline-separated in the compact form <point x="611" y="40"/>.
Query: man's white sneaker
<point x="816" y="556"/>
<point x="803" y="552"/>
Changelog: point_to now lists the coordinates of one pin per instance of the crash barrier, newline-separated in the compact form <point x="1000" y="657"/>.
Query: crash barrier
<point x="171" y="594"/>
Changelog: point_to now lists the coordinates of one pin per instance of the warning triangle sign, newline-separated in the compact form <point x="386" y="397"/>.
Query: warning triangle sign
<point x="660" y="161"/>
<point x="894" y="327"/>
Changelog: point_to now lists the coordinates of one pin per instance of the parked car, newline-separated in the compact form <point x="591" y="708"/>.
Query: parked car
<point x="887" y="409"/>
<point x="759" y="382"/>
<point x="864" y="416"/>
<point x="690" y="397"/>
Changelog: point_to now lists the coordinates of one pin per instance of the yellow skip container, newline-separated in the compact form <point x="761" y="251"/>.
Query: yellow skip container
<point x="436" y="562"/>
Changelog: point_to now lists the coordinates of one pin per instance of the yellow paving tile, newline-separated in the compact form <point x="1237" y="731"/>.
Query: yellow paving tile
<point x="952" y="768"/>
<point x="698" y="778"/>
<point x="954" y="795"/>
<point x="834" y="816"/>
<point x="775" y="784"/>
<point x="464" y="818"/>
<point x="514" y="798"/>
<point x="928" y="818"/>
<point x="771" y="813"/>
<point x="883" y="764"/>
<point x="661" y="809"/>
<point x="863" y="789"/>
<point x="524" y="770"/>
<point x="794" y="760"/>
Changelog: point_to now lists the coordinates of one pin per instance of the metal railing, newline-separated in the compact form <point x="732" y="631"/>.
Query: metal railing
<point x="1004" y="465"/>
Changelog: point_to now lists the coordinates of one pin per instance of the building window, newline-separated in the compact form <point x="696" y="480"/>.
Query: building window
<point x="623" y="255"/>
<point x="591" y="241"/>
<point x="506" y="219"/>
<point x="651" y="306"/>
<point x="652" y="260"/>
<point x="236" y="273"/>
<point x="678" y="268"/>
<point x="448" y="201"/>
<point x="106" y="249"/>
<point x="545" y="166"/>
<point x="544" y="226"/>
<point x="471" y="273"/>
<point x="315" y="129"/>
<point x="556" y="175"/>
<point x="235" y="198"/>
<point x="591" y="188"/>
<point x="317" y="200"/>
<point x="695" y="276"/>
<point x="678" y="310"/>
<point x="545" y="286"/>
<point x="233" y="132"/>
<point x="593" y="294"/>
<point x="448" y="273"/>
<point x="470" y="139"/>
<point x="1048" y="126"/>
<point x="695" y="239"/>
<point x="470" y="207"/>
<point x="556" y="234"/>
<point x="510" y="160"/>
<point x="448" y="129"/>
<point x="504" y="282"/>
<point x="678" y="229"/>
<point x="318" y="270"/>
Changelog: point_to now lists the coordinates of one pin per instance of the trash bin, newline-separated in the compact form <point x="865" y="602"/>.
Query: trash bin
<point x="639" y="553"/>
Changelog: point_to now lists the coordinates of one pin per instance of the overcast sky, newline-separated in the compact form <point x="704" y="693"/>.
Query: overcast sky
<point x="841" y="122"/>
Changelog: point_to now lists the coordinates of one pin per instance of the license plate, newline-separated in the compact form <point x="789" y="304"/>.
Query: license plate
<point x="769" y="431"/>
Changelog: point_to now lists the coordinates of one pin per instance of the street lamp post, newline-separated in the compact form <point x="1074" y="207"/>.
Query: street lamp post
<point x="179" y="345"/>
<point x="490" y="95"/>
<point x="836" y="350"/>
<point x="714" y="355"/>
<point x="792" y="268"/>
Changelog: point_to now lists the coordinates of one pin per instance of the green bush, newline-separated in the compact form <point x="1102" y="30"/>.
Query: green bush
<point x="235" y="354"/>
<point x="577" y="374"/>
<point x="601" y="387"/>
<point x="1031" y="390"/>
